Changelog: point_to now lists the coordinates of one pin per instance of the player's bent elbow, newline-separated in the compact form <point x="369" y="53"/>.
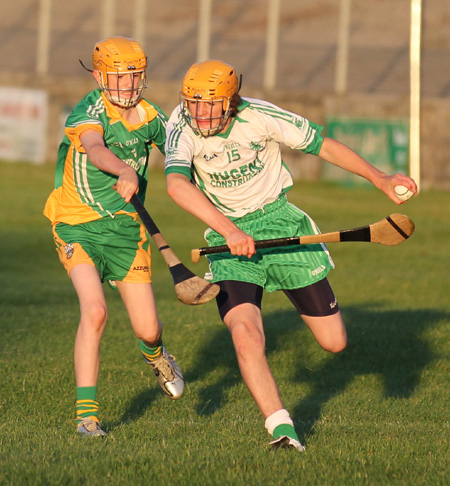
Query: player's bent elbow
<point x="174" y="187"/>
<point x="172" y="191"/>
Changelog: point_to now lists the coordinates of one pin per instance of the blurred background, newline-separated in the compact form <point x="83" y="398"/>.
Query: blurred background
<point x="375" y="73"/>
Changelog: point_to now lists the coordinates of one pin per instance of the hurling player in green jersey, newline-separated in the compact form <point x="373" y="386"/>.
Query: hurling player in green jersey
<point x="107" y="142"/>
<point x="223" y="165"/>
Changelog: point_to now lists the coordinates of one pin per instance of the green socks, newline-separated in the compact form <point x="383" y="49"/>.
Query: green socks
<point x="150" y="353"/>
<point x="280" y="424"/>
<point x="285" y="430"/>
<point x="86" y="405"/>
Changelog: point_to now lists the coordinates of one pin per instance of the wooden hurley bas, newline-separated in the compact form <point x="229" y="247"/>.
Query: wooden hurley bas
<point x="390" y="231"/>
<point x="190" y="289"/>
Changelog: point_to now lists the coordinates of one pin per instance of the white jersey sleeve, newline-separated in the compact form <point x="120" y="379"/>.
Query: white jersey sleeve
<point x="241" y="170"/>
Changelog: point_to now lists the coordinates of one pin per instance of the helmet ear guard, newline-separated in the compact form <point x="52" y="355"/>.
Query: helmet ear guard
<point x="209" y="81"/>
<point x="120" y="56"/>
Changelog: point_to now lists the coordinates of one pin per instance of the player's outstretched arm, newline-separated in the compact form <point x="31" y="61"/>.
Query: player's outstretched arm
<point x="344" y="157"/>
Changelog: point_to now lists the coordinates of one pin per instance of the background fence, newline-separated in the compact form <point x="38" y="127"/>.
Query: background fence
<point x="299" y="70"/>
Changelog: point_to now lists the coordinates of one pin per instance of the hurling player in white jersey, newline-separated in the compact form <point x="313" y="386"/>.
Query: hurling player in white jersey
<point x="224" y="166"/>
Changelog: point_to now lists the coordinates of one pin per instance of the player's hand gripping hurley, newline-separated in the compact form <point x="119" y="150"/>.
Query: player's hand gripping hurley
<point x="390" y="231"/>
<point x="190" y="289"/>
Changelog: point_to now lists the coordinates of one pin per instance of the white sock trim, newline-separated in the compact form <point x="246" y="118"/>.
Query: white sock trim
<point x="278" y="418"/>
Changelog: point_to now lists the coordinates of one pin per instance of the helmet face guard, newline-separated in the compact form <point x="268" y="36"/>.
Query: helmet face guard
<point x="116" y="59"/>
<point x="199" y="115"/>
<point x="205" y="85"/>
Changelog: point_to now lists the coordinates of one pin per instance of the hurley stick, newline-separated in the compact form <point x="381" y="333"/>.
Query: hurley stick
<point x="391" y="231"/>
<point x="190" y="289"/>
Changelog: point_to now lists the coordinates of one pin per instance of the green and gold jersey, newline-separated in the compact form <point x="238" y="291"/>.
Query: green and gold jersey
<point x="241" y="170"/>
<point x="84" y="193"/>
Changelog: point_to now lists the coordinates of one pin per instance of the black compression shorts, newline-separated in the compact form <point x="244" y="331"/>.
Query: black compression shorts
<point x="316" y="300"/>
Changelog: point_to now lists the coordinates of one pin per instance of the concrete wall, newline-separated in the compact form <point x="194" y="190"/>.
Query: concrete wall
<point x="65" y="92"/>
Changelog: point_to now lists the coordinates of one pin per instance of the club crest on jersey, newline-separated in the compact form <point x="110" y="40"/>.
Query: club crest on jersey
<point x="257" y="147"/>
<point x="69" y="250"/>
<point x="209" y="157"/>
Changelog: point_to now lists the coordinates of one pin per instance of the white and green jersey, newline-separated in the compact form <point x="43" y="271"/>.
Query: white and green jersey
<point x="241" y="170"/>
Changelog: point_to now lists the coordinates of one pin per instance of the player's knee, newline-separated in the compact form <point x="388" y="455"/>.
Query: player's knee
<point x="93" y="319"/>
<point x="247" y="338"/>
<point x="95" y="316"/>
<point x="150" y="337"/>
<point x="335" y="345"/>
<point x="149" y="331"/>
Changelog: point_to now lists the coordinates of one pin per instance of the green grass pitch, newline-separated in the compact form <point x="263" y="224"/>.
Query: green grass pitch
<point x="376" y="414"/>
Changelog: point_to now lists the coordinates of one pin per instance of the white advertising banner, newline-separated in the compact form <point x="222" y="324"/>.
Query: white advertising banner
<point x="23" y="125"/>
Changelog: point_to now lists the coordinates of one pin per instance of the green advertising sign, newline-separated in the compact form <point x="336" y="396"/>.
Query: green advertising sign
<point x="384" y="143"/>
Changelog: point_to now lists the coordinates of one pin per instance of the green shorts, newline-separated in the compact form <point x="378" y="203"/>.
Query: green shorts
<point x="286" y="268"/>
<point x="118" y="248"/>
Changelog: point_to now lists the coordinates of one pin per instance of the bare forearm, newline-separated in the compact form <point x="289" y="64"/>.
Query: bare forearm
<point x="192" y="200"/>
<point x="105" y="160"/>
<point x="100" y="156"/>
<point x="342" y="156"/>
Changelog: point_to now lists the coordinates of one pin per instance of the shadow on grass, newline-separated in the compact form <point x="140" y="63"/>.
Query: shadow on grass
<point x="388" y="344"/>
<point x="218" y="365"/>
<point x="137" y="407"/>
<point x="385" y="343"/>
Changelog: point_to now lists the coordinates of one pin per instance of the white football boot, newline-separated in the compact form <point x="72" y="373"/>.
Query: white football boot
<point x="90" y="427"/>
<point x="168" y="374"/>
<point x="285" y="442"/>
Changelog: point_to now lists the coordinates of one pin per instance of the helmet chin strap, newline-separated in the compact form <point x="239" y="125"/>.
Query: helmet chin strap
<point x="87" y="69"/>
<point x="209" y="132"/>
<point x="125" y="103"/>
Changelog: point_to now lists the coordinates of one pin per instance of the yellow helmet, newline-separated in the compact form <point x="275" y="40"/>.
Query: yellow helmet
<point x="209" y="81"/>
<point x="118" y="56"/>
